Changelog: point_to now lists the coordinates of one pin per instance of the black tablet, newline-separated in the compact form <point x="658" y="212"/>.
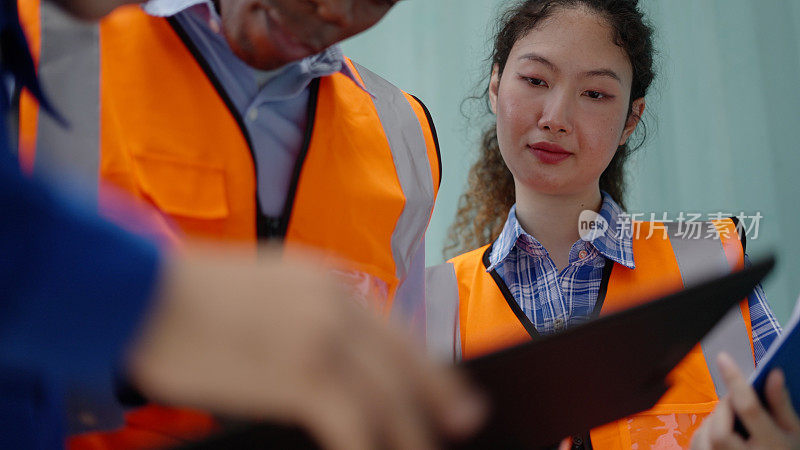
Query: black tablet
<point x="565" y="384"/>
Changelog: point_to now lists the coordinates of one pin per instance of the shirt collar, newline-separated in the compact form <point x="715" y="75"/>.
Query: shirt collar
<point x="166" y="8"/>
<point x="615" y="244"/>
<point x="511" y="236"/>
<point x="328" y="62"/>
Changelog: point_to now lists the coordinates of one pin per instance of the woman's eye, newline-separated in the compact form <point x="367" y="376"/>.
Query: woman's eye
<point x="595" y="95"/>
<point x="535" y="81"/>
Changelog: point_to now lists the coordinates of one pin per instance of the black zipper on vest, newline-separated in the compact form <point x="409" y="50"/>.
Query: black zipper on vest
<point x="601" y="294"/>
<point x="523" y="318"/>
<point x="311" y="116"/>
<point x="267" y="227"/>
<point x="581" y="441"/>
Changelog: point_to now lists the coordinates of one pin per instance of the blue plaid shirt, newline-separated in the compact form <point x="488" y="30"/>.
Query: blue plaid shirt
<point x="554" y="301"/>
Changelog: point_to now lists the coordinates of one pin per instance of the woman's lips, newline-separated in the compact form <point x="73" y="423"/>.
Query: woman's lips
<point x="549" y="153"/>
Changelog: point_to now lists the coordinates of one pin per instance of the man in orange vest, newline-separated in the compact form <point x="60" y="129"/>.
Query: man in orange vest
<point x="241" y="120"/>
<point x="277" y="345"/>
<point x="199" y="111"/>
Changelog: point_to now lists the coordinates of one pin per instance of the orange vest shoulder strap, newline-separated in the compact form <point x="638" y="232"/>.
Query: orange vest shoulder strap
<point x="490" y="318"/>
<point x="671" y="256"/>
<point x="682" y="255"/>
<point x="656" y="272"/>
<point x="374" y="148"/>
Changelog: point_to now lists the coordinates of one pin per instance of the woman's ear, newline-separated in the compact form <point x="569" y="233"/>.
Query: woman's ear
<point x="494" y="87"/>
<point x="634" y="116"/>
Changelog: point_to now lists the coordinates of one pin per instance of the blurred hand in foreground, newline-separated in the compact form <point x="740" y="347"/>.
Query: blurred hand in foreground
<point x="776" y="427"/>
<point x="280" y="341"/>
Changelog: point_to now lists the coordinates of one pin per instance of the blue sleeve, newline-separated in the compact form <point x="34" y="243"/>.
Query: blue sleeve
<point x="72" y="286"/>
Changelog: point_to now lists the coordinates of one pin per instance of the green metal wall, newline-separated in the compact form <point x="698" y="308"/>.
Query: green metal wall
<point x="723" y="123"/>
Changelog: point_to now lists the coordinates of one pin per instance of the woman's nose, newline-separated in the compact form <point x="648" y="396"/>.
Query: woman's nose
<point x="556" y="114"/>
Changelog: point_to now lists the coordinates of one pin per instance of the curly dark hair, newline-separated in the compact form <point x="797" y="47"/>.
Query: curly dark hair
<point x="482" y="209"/>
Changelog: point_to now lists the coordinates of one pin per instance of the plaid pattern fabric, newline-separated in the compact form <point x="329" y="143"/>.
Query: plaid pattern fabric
<point x="554" y="301"/>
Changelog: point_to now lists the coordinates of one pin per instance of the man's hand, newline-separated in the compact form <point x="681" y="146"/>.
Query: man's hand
<point x="280" y="341"/>
<point x="776" y="428"/>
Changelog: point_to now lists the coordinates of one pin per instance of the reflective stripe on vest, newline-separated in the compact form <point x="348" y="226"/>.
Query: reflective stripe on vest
<point x="410" y="156"/>
<point x="67" y="69"/>
<point x="461" y="287"/>
<point x="443" y="332"/>
<point x="698" y="260"/>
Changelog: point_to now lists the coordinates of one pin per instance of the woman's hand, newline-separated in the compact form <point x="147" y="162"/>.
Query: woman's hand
<point x="776" y="428"/>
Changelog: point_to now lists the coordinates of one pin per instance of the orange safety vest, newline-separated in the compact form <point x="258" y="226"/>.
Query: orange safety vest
<point x="472" y="313"/>
<point x="362" y="192"/>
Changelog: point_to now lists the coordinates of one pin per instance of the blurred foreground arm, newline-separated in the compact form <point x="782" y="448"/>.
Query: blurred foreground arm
<point x="280" y="341"/>
<point x="267" y="340"/>
<point x="270" y="340"/>
<point x="777" y="427"/>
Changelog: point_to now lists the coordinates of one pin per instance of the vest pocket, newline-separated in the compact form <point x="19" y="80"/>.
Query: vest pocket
<point x="181" y="188"/>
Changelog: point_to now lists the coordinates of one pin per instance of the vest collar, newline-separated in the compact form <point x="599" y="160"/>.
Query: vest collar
<point x="298" y="73"/>
<point x="615" y="244"/>
<point x="515" y="307"/>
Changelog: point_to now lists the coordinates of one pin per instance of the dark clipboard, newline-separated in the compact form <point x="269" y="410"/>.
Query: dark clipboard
<point x="565" y="384"/>
<point x="612" y="367"/>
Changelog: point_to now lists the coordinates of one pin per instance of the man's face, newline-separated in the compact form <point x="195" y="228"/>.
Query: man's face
<point x="267" y="34"/>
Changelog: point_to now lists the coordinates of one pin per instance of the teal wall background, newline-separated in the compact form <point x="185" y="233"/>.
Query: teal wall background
<point x="723" y="123"/>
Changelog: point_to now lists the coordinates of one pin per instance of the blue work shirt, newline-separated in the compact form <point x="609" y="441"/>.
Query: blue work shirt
<point x="72" y="286"/>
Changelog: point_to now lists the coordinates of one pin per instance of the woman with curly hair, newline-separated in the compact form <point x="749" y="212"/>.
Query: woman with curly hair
<point x="544" y="214"/>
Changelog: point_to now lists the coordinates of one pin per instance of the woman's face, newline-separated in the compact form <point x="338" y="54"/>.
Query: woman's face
<point x="562" y="104"/>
